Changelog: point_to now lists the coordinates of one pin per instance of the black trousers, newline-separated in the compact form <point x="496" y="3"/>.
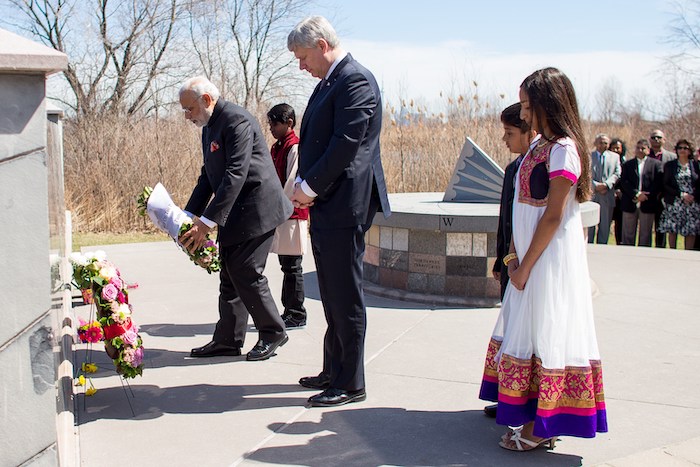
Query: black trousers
<point x="338" y="255"/>
<point x="293" y="287"/>
<point x="660" y="236"/>
<point x="244" y="290"/>
<point x="504" y="280"/>
<point x="617" y="219"/>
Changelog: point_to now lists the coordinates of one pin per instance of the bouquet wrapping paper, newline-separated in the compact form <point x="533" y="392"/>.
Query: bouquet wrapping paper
<point x="164" y="213"/>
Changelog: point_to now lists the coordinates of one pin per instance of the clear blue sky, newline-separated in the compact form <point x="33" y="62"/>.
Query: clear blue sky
<point x="418" y="49"/>
<point x="507" y="25"/>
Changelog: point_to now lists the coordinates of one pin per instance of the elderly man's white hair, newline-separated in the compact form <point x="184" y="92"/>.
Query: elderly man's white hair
<point x="307" y="33"/>
<point x="200" y="85"/>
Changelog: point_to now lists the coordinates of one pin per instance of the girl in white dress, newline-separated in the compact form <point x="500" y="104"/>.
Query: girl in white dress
<point x="542" y="365"/>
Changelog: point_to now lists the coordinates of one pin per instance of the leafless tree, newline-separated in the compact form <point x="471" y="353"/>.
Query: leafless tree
<point x="684" y="36"/>
<point x="115" y="49"/>
<point x="241" y="45"/>
<point x="608" y="100"/>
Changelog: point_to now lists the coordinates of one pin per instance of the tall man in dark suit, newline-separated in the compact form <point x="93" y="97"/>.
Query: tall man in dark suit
<point x="641" y="183"/>
<point x="247" y="205"/>
<point x="342" y="180"/>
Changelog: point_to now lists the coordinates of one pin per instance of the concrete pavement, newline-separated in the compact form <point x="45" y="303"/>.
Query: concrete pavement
<point x="423" y="369"/>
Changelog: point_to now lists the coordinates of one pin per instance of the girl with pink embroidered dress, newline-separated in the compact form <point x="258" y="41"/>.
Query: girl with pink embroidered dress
<point x="543" y="365"/>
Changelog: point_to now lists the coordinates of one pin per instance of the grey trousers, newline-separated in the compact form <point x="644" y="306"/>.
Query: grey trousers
<point x="603" y="228"/>
<point x="629" y="227"/>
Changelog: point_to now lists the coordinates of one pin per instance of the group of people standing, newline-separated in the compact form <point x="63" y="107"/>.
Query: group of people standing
<point x="542" y="364"/>
<point x="657" y="190"/>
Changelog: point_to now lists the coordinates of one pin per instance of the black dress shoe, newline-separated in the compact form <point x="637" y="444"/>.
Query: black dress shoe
<point x="291" y="322"/>
<point x="335" y="397"/>
<point x="490" y="410"/>
<point x="265" y="349"/>
<point x="213" y="349"/>
<point x="315" y="382"/>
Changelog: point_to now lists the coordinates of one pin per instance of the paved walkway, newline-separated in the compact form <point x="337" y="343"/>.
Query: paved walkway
<point x="423" y="374"/>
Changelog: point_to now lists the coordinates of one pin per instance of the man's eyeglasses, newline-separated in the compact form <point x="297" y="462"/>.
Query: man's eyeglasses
<point x="686" y="148"/>
<point x="657" y="137"/>
<point x="191" y="107"/>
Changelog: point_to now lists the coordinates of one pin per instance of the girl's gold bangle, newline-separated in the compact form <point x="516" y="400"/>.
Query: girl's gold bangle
<point x="509" y="257"/>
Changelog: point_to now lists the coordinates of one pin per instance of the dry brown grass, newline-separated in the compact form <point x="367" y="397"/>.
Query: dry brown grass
<point x="108" y="160"/>
<point x="420" y="157"/>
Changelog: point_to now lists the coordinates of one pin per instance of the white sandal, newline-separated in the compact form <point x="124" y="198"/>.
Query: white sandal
<point x="524" y="444"/>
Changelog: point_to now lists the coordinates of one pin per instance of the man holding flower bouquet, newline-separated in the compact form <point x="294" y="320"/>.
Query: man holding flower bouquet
<point x="238" y="191"/>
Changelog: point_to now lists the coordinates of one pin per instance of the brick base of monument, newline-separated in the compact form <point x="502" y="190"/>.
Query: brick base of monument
<point x="431" y="266"/>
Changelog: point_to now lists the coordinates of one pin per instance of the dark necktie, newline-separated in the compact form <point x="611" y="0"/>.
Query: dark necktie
<point x="318" y="89"/>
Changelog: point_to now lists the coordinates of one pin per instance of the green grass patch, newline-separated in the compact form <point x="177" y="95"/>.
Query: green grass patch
<point x="86" y="239"/>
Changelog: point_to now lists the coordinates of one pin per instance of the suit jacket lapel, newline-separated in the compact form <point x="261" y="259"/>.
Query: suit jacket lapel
<point x="309" y="108"/>
<point x="320" y="89"/>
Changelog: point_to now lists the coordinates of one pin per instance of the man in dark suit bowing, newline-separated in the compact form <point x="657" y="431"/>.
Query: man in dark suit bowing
<point x="238" y="191"/>
<point x="342" y="180"/>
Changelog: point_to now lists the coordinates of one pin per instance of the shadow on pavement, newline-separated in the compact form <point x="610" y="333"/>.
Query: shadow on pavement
<point x="311" y="291"/>
<point x="396" y="436"/>
<point x="153" y="358"/>
<point x="178" y="330"/>
<point x="151" y="401"/>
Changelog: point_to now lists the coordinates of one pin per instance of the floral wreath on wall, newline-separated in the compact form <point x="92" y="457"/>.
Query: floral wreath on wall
<point x="113" y="324"/>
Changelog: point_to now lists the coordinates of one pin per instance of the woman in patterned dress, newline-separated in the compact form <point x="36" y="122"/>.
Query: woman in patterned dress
<point x="681" y="215"/>
<point x="542" y="364"/>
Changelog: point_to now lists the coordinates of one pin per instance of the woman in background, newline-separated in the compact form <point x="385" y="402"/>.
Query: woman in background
<point x="681" y="215"/>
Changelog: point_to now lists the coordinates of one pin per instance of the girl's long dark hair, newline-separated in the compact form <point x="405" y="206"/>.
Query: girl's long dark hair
<point x="552" y="100"/>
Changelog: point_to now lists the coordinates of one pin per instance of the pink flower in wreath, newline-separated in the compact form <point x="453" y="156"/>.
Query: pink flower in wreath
<point x="121" y="297"/>
<point x="131" y="336"/>
<point x="138" y="358"/>
<point x="94" y="334"/>
<point x="128" y="355"/>
<point x="117" y="282"/>
<point x="109" y="292"/>
<point x="214" y="146"/>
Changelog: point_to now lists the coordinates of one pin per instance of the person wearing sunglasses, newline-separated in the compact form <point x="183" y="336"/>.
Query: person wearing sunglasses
<point x="657" y="140"/>
<point x="681" y="214"/>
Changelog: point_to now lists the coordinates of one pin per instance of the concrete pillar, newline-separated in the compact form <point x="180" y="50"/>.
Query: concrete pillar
<point x="27" y="345"/>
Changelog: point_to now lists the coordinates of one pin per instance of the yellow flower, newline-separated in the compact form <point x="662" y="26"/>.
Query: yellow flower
<point x="90" y="391"/>
<point x="81" y="381"/>
<point x="108" y="272"/>
<point x="89" y="367"/>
